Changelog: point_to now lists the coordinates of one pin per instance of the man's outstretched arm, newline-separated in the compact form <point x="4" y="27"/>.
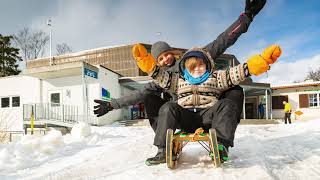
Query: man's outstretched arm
<point x="136" y="96"/>
<point x="240" y="26"/>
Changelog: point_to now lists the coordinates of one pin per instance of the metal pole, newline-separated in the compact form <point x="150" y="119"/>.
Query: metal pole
<point x="267" y="106"/>
<point x="50" y="35"/>
<point x="50" y="46"/>
<point x="32" y="120"/>
<point x="84" y="93"/>
<point x="271" y="117"/>
<point x="244" y="104"/>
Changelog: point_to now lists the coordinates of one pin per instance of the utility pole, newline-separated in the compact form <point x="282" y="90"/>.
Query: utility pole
<point x="50" y="51"/>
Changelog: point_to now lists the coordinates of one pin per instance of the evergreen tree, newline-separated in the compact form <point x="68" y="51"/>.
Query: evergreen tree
<point x="9" y="56"/>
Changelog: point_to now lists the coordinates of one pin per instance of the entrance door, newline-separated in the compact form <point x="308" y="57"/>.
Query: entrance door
<point x="55" y="105"/>
<point x="249" y="110"/>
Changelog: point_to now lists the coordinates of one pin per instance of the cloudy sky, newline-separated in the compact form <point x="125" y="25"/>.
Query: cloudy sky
<point x="84" y="24"/>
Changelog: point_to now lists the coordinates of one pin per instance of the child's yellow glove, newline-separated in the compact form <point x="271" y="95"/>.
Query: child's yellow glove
<point x="145" y="61"/>
<point x="259" y="64"/>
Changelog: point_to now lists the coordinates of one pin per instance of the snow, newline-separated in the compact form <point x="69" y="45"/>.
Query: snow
<point x="276" y="151"/>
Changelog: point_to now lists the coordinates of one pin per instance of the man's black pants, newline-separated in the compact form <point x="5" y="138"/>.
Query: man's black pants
<point x="152" y="104"/>
<point x="287" y="116"/>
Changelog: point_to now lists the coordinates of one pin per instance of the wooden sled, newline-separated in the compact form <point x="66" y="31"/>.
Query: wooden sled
<point x="175" y="143"/>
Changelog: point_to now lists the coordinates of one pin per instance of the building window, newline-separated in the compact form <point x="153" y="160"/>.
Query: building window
<point x="15" y="101"/>
<point x="313" y="100"/>
<point x="5" y="102"/>
<point x="55" y="99"/>
<point x="277" y="101"/>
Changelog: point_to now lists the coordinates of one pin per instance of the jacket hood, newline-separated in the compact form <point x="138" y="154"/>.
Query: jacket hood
<point x="199" y="53"/>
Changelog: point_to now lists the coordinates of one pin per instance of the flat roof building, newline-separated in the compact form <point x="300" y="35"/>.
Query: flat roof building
<point x="303" y="97"/>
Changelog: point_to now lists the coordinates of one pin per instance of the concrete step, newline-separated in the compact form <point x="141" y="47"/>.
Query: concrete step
<point x="145" y="122"/>
<point x="136" y="122"/>
<point x="259" y="121"/>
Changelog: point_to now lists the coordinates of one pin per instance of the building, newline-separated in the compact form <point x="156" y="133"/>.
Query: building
<point x="303" y="97"/>
<point x="60" y="95"/>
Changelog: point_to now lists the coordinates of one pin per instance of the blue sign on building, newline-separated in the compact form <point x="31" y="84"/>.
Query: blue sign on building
<point x="90" y="73"/>
<point x="105" y="94"/>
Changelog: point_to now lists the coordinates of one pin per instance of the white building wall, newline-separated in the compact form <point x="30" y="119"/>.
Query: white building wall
<point x="28" y="88"/>
<point x="109" y="81"/>
<point x="69" y="87"/>
<point x="293" y="98"/>
<point x="33" y="90"/>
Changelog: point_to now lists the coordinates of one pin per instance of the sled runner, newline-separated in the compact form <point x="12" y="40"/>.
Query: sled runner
<point x="175" y="143"/>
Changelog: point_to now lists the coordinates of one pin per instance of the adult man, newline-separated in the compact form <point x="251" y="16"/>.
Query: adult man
<point x="287" y="112"/>
<point x="165" y="56"/>
<point x="261" y="110"/>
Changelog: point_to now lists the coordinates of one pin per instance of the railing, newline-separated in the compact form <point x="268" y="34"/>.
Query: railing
<point x="7" y="136"/>
<point x="51" y="111"/>
<point x="11" y="133"/>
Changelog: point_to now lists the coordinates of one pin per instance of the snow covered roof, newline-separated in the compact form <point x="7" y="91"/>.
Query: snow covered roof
<point x="96" y="49"/>
<point x="82" y="52"/>
<point x="294" y="85"/>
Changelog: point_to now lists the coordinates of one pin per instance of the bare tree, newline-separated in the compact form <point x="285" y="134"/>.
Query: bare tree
<point x="63" y="48"/>
<point x="31" y="43"/>
<point x="21" y="40"/>
<point x="314" y="75"/>
<point x="39" y="40"/>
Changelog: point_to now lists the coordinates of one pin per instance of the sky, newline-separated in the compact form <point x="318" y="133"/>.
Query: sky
<point x="84" y="24"/>
<point x="274" y="151"/>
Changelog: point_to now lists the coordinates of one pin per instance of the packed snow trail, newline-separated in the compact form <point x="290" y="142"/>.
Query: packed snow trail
<point x="261" y="152"/>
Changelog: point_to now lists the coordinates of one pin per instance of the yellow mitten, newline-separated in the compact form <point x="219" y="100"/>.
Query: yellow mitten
<point x="271" y="53"/>
<point x="145" y="61"/>
<point x="259" y="64"/>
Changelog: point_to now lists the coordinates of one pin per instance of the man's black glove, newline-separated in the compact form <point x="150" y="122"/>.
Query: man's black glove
<point x="103" y="108"/>
<point x="253" y="7"/>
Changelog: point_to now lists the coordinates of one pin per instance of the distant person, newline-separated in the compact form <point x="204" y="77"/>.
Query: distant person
<point x="287" y="112"/>
<point x="261" y="110"/>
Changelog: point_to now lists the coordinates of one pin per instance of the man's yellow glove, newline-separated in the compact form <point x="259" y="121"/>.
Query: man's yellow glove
<point x="145" y="61"/>
<point x="259" y="64"/>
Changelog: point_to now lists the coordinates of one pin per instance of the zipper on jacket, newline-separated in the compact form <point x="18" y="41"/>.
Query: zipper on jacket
<point x="195" y="96"/>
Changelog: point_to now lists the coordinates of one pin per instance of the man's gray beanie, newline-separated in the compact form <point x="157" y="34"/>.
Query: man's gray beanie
<point x="158" y="48"/>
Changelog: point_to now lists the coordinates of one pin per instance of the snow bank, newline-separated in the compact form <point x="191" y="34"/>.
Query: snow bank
<point x="81" y="130"/>
<point x="31" y="150"/>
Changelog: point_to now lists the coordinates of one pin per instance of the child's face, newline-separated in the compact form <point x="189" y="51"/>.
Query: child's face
<point x="198" y="70"/>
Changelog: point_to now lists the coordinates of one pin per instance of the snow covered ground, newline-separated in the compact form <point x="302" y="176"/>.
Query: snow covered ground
<point x="261" y="152"/>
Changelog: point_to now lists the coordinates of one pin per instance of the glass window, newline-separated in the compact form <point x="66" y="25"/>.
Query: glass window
<point x="15" y="101"/>
<point x="313" y="100"/>
<point x="277" y="101"/>
<point x="5" y="102"/>
<point x="55" y="99"/>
